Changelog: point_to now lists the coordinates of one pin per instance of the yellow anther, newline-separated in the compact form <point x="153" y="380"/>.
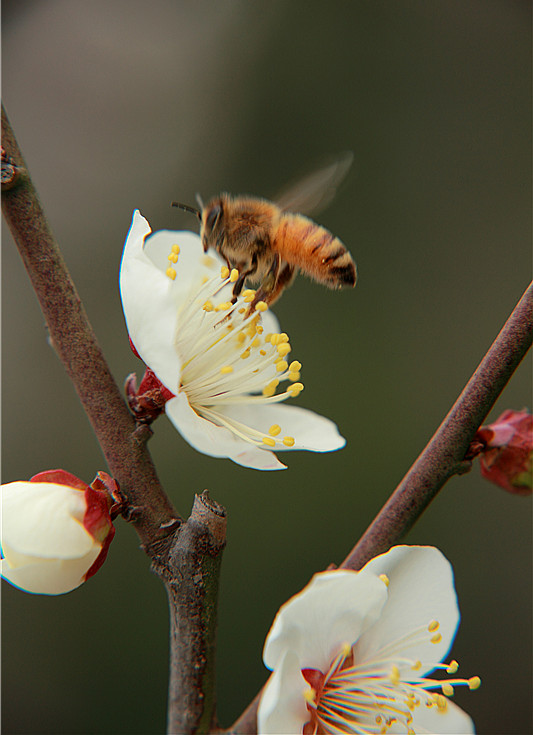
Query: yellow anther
<point x="241" y="337"/>
<point x="234" y="275"/>
<point x="436" y="638"/>
<point x="442" y="702"/>
<point x="410" y="731"/>
<point x="248" y="292"/>
<point x="346" y="649"/>
<point x="226" y="369"/>
<point x="274" y="430"/>
<point x="270" y="389"/>
<point x="284" y="349"/>
<point x="229" y="327"/>
<point x="207" y="260"/>
<point x="309" y="695"/>
<point x="283" y="337"/>
<point x="171" y="273"/>
<point x="293" y="377"/>
<point x="433" y="626"/>
<point x="453" y="667"/>
<point x="417" y="666"/>
<point x="295" y="389"/>
<point x="224" y="272"/>
<point x="245" y="354"/>
<point x="295" y="366"/>
<point x="274" y="339"/>
<point x="173" y="257"/>
<point x="256" y="342"/>
<point x="224" y="306"/>
<point x="379" y="719"/>
<point x="395" y="675"/>
<point x="447" y="689"/>
<point x="474" y="683"/>
<point x="248" y="299"/>
<point x="208" y="306"/>
<point x="262" y="352"/>
<point x="281" y="365"/>
<point x="259" y="329"/>
<point x="269" y="441"/>
<point x="242" y="310"/>
<point x="268" y="337"/>
<point x="288" y="441"/>
<point x="384" y="579"/>
<point x="175" y="249"/>
<point x="261" y="306"/>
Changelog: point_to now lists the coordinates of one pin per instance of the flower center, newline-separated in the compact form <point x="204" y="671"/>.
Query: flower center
<point x="227" y="359"/>
<point x="372" y="696"/>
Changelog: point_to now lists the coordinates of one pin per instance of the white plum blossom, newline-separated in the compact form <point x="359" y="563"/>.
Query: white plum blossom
<point x="222" y="364"/>
<point x="56" y="531"/>
<point x="351" y="653"/>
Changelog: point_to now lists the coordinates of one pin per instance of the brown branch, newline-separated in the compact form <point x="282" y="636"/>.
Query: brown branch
<point x="197" y="553"/>
<point x="187" y="555"/>
<point x="75" y="343"/>
<point x="443" y="457"/>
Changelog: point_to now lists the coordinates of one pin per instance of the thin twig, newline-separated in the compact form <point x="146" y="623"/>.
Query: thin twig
<point x="442" y="457"/>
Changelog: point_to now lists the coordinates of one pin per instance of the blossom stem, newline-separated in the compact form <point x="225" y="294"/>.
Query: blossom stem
<point x="444" y="455"/>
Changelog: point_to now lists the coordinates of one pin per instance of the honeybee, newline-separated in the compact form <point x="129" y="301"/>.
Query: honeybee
<point x="269" y="242"/>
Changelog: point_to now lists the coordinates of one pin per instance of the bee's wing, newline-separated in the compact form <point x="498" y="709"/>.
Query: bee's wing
<point x="314" y="192"/>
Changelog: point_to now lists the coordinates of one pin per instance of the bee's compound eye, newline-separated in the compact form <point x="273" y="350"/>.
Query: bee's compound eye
<point x="212" y="218"/>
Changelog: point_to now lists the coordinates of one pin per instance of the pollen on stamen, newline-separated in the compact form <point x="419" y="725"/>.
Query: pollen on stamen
<point x="269" y="441"/>
<point x="176" y="249"/>
<point x="433" y="626"/>
<point x="274" y="430"/>
<point x="224" y="272"/>
<point x="293" y="377"/>
<point x="281" y="366"/>
<point x="245" y="354"/>
<point x="474" y="683"/>
<point x="447" y="689"/>
<point x="173" y="257"/>
<point x="395" y="675"/>
<point x="417" y="666"/>
<point x="309" y="695"/>
<point x="208" y="306"/>
<point x="288" y="441"/>
<point x="295" y="389"/>
<point x="224" y="306"/>
<point x="283" y="349"/>
<point x="436" y="638"/>
<point x="234" y="275"/>
<point x="453" y="667"/>
<point x="261" y="306"/>
<point x="226" y="369"/>
<point x="384" y="579"/>
<point x="295" y="366"/>
<point x="171" y="273"/>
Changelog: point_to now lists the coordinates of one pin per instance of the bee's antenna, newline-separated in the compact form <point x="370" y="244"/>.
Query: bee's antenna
<point x="186" y="207"/>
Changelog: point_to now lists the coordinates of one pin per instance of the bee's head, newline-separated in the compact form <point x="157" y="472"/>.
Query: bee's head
<point x="212" y="218"/>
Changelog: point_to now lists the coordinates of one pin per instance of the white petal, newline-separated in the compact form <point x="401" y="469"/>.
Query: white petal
<point x="282" y="708"/>
<point x="216" y="441"/>
<point x="335" y="608"/>
<point x="44" y="519"/>
<point x="420" y="589"/>
<point x="311" y="431"/>
<point x="50" y="576"/>
<point x="431" y="720"/>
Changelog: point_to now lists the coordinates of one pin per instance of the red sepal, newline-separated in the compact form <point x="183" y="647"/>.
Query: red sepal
<point x="146" y="402"/>
<point x="60" y="477"/>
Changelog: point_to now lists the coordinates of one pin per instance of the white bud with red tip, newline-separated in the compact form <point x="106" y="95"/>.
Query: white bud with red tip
<point x="56" y="530"/>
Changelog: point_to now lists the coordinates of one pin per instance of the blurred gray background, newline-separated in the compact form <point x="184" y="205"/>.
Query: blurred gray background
<point x="119" y="104"/>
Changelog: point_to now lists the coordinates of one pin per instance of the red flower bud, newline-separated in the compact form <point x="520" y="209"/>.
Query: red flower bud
<point x="507" y="454"/>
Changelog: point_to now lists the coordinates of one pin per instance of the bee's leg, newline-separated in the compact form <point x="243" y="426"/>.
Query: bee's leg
<point x="239" y="283"/>
<point x="284" y="279"/>
<point x="277" y="278"/>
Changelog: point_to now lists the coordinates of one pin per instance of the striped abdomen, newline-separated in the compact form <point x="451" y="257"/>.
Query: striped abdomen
<point x="315" y="251"/>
